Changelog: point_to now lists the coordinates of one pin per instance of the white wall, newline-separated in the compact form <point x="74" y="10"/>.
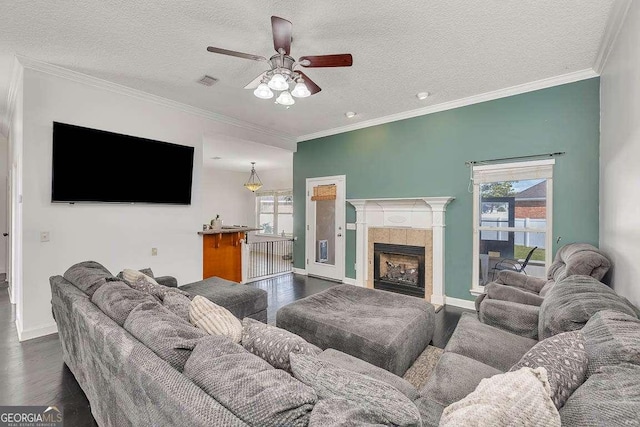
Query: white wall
<point x="223" y="194"/>
<point x="4" y="225"/>
<point x="117" y="236"/>
<point x="620" y="157"/>
<point x="277" y="179"/>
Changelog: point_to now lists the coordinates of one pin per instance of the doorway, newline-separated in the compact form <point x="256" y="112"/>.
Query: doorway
<point x="325" y="227"/>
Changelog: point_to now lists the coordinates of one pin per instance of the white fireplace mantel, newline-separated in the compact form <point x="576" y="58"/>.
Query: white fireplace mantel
<point x="414" y="212"/>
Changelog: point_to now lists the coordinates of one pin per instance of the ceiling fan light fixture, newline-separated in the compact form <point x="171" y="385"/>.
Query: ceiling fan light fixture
<point x="285" y="98"/>
<point x="278" y="82"/>
<point x="263" y="91"/>
<point x="301" y="90"/>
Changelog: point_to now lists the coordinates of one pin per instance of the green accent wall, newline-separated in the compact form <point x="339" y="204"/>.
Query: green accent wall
<point x="424" y="156"/>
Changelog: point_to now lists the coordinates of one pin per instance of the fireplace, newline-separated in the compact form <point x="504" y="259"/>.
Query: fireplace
<point x="399" y="268"/>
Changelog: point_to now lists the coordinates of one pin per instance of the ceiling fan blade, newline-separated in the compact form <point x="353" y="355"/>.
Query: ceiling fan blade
<point x="342" y="60"/>
<point x="255" y="82"/>
<point x="236" y="54"/>
<point x="281" y="34"/>
<point x="313" y="88"/>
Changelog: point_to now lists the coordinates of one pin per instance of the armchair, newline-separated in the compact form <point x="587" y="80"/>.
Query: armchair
<point x="512" y="302"/>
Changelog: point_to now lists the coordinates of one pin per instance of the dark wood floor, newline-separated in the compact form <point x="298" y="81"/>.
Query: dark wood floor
<point x="33" y="373"/>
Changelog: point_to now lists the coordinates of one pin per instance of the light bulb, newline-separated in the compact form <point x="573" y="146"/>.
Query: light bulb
<point x="263" y="91"/>
<point x="285" y="98"/>
<point x="278" y="82"/>
<point x="300" y="91"/>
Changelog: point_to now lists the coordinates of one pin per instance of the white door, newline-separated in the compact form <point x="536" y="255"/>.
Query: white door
<point x="325" y="227"/>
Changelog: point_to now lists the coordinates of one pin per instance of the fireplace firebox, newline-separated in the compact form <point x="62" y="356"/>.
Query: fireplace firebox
<point x="399" y="268"/>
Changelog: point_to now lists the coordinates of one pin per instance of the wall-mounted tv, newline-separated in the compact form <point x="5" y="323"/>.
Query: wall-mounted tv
<point x="92" y="165"/>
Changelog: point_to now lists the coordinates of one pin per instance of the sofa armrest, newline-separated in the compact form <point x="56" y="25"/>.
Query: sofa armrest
<point x="169" y="281"/>
<point x="511" y="293"/>
<point x="520" y="319"/>
<point x="519" y="280"/>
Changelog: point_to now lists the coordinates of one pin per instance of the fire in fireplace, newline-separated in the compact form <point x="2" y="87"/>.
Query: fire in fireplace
<point x="399" y="268"/>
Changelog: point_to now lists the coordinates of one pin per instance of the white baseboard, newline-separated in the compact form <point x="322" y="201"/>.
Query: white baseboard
<point x="36" y="332"/>
<point x="462" y="303"/>
<point x="299" y="271"/>
<point x="349" y="281"/>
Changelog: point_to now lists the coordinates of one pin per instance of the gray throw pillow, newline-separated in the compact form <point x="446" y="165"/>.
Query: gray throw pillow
<point x="117" y="300"/>
<point x="248" y="386"/>
<point x="611" y="338"/>
<point x="571" y="302"/>
<point x="167" y="335"/>
<point x="339" y="412"/>
<point x="565" y="359"/>
<point x="346" y="361"/>
<point x="88" y="276"/>
<point x="376" y="396"/>
<point x="147" y="284"/>
<point x="274" y="344"/>
<point x="610" y="397"/>
<point x="177" y="304"/>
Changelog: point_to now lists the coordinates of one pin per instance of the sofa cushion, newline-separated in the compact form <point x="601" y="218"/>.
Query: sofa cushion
<point x="578" y="259"/>
<point x="571" y="303"/>
<point x="346" y="361"/>
<point x="519" y="319"/>
<point x="242" y="300"/>
<point x="611" y="338"/>
<point x="117" y="300"/>
<point x="167" y="335"/>
<point x="274" y="344"/>
<point x="248" y="386"/>
<point x="88" y="276"/>
<point x="430" y="411"/>
<point x="213" y="319"/>
<point x="330" y="381"/>
<point x="454" y="377"/>
<point x="565" y="359"/>
<point x="177" y="304"/>
<point x="340" y="412"/>
<point x="487" y="344"/>
<point x="142" y="282"/>
<point x="609" y="397"/>
<point x="519" y="398"/>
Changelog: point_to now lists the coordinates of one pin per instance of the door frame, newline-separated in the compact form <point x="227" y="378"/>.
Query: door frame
<point x="341" y="221"/>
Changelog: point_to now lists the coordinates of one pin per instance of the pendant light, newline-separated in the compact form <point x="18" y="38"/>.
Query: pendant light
<point x="254" y="183"/>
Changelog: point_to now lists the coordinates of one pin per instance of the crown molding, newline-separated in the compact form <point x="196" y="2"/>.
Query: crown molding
<point x="463" y="102"/>
<point x="614" y="25"/>
<point x="75" y="76"/>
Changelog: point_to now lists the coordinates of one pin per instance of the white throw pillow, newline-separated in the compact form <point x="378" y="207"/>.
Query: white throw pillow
<point x="133" y="276"/>
<point x="213" y="319"/>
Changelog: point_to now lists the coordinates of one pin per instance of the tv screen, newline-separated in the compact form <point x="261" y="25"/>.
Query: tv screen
<point x="92" y="165"/>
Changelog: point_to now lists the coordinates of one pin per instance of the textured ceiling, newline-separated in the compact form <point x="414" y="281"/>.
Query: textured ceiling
<point x="453" y="49"/>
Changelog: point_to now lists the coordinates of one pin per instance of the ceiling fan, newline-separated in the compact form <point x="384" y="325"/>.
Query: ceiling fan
<point x="283" y="72"/>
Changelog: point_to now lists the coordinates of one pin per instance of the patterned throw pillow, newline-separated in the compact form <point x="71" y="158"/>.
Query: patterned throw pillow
<point x="376" y="397"/>
<point x="274" y="344"/>
<point x="141" y="282"/>
<point x="214" y="319"/>
<point x="565" y="359"/>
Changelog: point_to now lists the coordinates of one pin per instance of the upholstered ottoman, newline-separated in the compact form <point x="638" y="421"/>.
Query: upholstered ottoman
<point x="385" y="329"/>
<point x="241" y="300"/>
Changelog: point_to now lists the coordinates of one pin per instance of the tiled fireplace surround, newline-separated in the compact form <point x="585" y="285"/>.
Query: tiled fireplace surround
<point x="409" y="221"/>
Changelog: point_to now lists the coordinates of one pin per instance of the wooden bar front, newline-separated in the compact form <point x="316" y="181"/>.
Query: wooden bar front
<point x="222" y="255"/>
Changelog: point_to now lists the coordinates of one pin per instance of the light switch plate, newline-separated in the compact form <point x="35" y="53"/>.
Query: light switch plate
<point x="44" y="236"/>
<point x="154" y="251"/>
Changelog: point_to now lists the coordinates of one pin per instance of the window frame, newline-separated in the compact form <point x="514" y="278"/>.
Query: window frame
<point x="476" y="288"/>
<point x="275" y="194"/>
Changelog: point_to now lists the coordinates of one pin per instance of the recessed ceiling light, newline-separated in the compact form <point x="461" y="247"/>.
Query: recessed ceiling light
<point x="216" y="158"/>
<point x="350" y="114"/>
<point x="422" y="95"/>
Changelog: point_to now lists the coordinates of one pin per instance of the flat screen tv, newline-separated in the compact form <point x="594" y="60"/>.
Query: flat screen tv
<point x="92" y="165"/>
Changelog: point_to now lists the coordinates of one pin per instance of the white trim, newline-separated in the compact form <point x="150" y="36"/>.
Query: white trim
<point x="349" y="281"/>
<point x="351" y="226"/>
<point x="16" y="77"/>
<point x="514" y="165"/>
<point x="54" y="70"/>
<point x="462" y="303"/>
<point x="10" y="295"/>
<point x="477" y="291"/>
<point x="614" y="25"/>
<point x="36" y="332"/>
<point x="450" y="105"/>
<point x="300" y="271"/>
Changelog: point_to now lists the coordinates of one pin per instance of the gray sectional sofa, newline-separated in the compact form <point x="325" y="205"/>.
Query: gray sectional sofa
<point x="151" y="368"/>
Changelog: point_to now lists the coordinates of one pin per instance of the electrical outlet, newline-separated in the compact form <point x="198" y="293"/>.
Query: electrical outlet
<point x="154" y="251"/>
<point x="44" y="236"/>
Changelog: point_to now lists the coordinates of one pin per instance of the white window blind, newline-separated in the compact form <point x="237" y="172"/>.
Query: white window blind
<point x="541" y="169"/>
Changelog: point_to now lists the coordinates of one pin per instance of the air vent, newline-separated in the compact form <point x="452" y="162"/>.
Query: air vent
<point x="208" y="81"/>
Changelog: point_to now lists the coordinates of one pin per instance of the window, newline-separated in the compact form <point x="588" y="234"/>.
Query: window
<point x="511" y="219"/>
<point x="275" y="212"/>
